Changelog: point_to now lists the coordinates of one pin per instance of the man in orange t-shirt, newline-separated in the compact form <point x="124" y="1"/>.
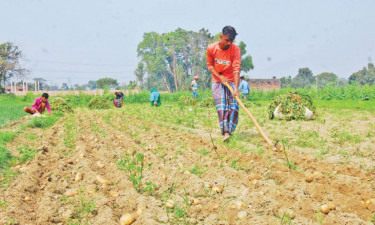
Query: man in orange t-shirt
<point x="224" y="62"/>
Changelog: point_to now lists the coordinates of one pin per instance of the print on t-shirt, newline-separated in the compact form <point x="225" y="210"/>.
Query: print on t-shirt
<point x="223" y="62"/>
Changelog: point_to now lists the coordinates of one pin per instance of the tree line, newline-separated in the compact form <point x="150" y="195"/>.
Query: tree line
<point x="168" y="61"/>
<point x="306" y="79"/>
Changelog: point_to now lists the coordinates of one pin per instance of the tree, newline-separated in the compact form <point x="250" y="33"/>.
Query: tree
<point x="170" y="59"/>
<point x="325" y="78"/>
<point x="42" y="83"/>
<point x="9" y="62"/>
<point x="91" y="84"/>
<point x="140" y="73"/>
<point x="285" y="81"/>
<point x="65" y="87"/>
<point x="364" y="76"/>
<point x="246" y="60"/>
<point x="110" y="82"/>
<point x="304" y="79"/>
<point x="132" y="85"/>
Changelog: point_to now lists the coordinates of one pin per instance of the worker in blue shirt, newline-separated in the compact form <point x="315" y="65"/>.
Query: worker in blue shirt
<point x="244" y="87"/>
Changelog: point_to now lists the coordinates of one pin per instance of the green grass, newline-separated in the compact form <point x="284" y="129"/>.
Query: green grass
<point x="6" y="136"/>
<point x="345" y="104"/>
<point x="5" y="158"/>
<point x="45" y="122"/>
<point x="11" y="109"/>
<point x="26" y="154"/>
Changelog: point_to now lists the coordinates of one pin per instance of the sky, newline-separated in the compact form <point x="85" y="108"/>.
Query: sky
<point x="74" y="41"/>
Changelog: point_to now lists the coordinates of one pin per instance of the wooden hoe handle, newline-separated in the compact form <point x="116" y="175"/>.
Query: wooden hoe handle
<point x="251" y="117"/>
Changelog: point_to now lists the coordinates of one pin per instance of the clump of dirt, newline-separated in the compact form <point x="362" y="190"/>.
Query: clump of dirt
<point x="207" y="102"/>
<point x="292" y="106"/>
<point x="61" y="104"/>
<point x="99" y="102"/>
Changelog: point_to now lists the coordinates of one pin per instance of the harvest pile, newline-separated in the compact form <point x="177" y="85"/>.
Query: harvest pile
<point x="99" y="102"/>
<point x="292" y="106"/>
<point x="61" y="104"/>
<point x="185" y="100"/>
<point x="207" y="102"/>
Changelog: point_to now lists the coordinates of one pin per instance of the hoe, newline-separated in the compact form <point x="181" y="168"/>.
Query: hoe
<point x="269" y="142"/>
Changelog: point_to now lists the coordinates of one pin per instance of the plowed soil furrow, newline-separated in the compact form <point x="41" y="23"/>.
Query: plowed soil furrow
<point x="342" y="183"/>
<point x="76" y="178"/>
<point x="173" y="169"/>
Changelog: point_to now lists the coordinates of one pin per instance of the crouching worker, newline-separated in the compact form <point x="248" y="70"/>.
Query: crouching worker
<point x="39" y="105"/>
<point x="155" y="97"/>
<point x="119" y="102"/>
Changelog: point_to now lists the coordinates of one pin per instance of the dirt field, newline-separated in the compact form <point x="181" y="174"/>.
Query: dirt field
<point x="81" y="174"/>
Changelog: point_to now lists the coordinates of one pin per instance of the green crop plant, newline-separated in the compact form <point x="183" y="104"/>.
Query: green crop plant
<point x="204" y="152"/>
<point x="26" y="154"/>
<point x="150" y="188"/>
<point x="285" y="144"/>
<point x="70" y="131"/>
<point x="285" y="219"/>
<point x="82" y="209"/>
<point x="179" y="213"/>
<point x="207" y="102"/>
<point x="185" y="101"/>
<point x="11" y="221"/>
<point x="5" y="157"/>
<point x="3" y="204"/>
<point x="133" y="165"/>
<point x="198" y="170"/>
<point x="235" y="166"/>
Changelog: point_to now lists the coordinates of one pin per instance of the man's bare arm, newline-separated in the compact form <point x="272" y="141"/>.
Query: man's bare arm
<point x="221" y="78"/>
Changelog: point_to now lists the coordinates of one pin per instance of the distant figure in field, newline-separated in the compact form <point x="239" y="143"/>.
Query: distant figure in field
<point x="155" y="97"/>
<point x="224" y="62"/>
<point x="194" y="88"/>
<point x="39" y="105"/>
<point x="244" y="87"/>
<point x="119" y="102"/>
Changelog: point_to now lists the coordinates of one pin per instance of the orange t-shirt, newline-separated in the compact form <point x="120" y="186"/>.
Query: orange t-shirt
<point x="225" y="62"/>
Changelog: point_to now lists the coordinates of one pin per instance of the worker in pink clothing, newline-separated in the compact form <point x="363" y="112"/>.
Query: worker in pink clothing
<point x="224" y="63"/>
<point x="39" y="105"/>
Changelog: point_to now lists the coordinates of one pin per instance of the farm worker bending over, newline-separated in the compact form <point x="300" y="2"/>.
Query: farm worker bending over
<point x="244" y="87"/>
<point x="194" y="87"/>
<point x="119" y="99"/>
<point x="224" y="62"/>
<point x="155" y="97"/>
<point x="39" y="105"/>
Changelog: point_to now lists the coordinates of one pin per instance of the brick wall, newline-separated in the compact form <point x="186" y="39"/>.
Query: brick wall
<point x="265" y="84"/>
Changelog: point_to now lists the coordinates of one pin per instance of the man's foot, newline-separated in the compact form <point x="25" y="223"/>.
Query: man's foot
<point x="226" y="137"/>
